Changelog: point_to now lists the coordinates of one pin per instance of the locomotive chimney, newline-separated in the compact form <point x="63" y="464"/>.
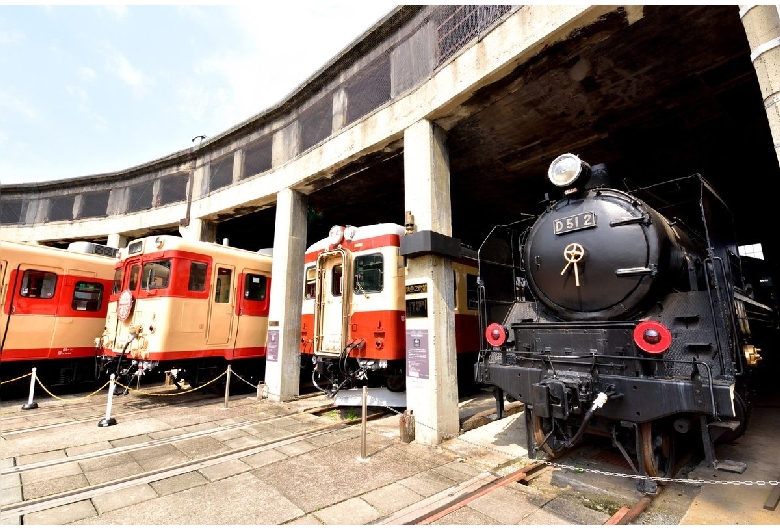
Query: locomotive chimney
<point x="599" y="177"/>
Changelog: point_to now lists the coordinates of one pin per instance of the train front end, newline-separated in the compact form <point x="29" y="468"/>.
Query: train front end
<point x="614" y="320"/>
<point x="353" y="316"/>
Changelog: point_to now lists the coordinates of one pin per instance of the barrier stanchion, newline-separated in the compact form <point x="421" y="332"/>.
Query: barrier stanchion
<point x="363" y="423"/>
<point x="30" y="403"/>
<point x="227" y="386"/>
<point x="108" y="420"/>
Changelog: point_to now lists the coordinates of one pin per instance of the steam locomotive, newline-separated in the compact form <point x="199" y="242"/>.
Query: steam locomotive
<point x="623" y="314"/>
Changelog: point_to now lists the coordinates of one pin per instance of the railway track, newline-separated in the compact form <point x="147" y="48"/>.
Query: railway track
<point x="432" y="509"/>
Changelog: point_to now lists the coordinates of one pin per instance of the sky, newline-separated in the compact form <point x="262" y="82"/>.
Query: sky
<point x="95" y="89"/>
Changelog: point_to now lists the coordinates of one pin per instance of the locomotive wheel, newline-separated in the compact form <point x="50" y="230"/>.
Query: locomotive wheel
<point x="396" y="382"/>
<point x="550" y="445"/>
<point x="657" y="446"/>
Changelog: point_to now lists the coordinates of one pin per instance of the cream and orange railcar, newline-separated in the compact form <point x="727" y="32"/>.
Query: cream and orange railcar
<point x="189" y="308"/>
<point x="53" y="306"/>
<point x="353" y="328"/>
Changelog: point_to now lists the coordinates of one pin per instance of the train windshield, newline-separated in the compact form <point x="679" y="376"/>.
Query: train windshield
<point x="368" y="274"/>
<point x="118" y="273"/>
<point x="156" y="274"/>
<point x="310" y="283"/>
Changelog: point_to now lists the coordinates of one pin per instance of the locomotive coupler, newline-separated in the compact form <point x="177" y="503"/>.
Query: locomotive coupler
<point x="562" y="394"/>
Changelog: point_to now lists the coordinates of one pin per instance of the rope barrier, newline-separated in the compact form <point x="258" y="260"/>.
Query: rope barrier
<point x="171" y="393"/>
<point x="70" y="399"/>
<point x="16" y="378"/>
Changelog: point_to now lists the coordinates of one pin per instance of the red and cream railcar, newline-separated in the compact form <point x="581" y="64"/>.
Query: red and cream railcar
<point x="53" y="306"/>
<point x="189" y="308"/>
<point x="354" y="313"/>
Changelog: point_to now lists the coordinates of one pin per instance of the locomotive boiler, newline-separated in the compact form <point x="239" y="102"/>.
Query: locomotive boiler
<point x="622" y="314"/>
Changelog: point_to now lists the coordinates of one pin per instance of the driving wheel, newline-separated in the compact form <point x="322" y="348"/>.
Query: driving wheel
<point x="657" y="447"/>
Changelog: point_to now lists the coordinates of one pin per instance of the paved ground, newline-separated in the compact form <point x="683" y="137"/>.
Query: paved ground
<point x="322" y="479"/>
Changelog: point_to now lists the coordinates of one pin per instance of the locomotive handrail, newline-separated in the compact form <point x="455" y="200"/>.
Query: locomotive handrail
<point x="715" y="319"/>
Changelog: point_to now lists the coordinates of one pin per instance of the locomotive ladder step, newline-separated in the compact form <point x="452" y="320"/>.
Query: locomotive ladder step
<point x="730" y="425"/>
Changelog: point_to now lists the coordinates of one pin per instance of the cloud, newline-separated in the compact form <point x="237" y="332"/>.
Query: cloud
<point x="118" y="65"/>
<point x="77" y="93"/>
<point x="117" y="11"/>
<point x="87" y="74"/>
<point x="11" y="37"/>
<point x="18" y="105"/>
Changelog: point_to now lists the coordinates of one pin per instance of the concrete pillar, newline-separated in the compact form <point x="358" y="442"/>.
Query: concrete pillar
<point x="283" y="361"/>
<point x="78" y="206"/>
<point x="199" y="230"/>
<point x="339" y="109"/>
<point x="762" y="27"/>
<point x="433" y="397"/>
<point x="286" y="144"/>
<point x="117" y="241"/>
<point x="238" y="165"/>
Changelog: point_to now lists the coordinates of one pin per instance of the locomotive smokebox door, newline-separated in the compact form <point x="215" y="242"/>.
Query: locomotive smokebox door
<point x="417" y="326"/>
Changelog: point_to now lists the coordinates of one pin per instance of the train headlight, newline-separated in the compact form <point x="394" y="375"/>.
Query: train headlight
<point x="349" y="233"/>
<point x="335" y="235"/>
<point x="495" y="334"/>
<point x="566" y="170"/>
<point x="652" y="337"/>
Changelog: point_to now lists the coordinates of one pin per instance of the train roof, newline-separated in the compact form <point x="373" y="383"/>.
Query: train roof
<point x="151" y="244"/>
<point x="363" y="232"/>
<point x="33" y="252"/>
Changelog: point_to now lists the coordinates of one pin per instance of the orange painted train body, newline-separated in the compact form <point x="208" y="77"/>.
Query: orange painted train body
<point x="53" y="307"/>
<point x="354" y="314"/>
<point x="187" y="307"/>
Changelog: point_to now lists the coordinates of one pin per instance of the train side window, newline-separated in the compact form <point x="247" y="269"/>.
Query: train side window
<point x="156" y="274"/>
<point x="255" y="287"/>
<point x="369" y="273"/>
<point x="197" y="280"/>
<point x="222" y="290"/>
<point x="38" y="284"/>
<point x="336" y="286"/>
<point x="310" y="284"/>
<point x="117" y="281"/>
<point x="471" y="292"/>
<point x="87" y="296"/>
<point x="134" y="272"/>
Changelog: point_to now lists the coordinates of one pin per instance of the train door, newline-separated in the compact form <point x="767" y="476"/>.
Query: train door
<point x="129" y="280"/>
<point x="81" y="297"/>
<point x="331" y="312"/>
<point x="221" y="302"/>
<point x="252" y="304"/>
<point x="32" y="310"/>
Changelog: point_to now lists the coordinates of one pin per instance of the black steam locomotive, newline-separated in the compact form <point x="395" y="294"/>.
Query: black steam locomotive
<point x="607" y="315"/>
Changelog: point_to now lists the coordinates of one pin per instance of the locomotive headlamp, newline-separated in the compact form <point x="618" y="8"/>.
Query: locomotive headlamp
<point x="335" y="235"/>
<point x="349" y="233"/>
<point x="495" y="334"/>
<point x="566" y="170"/>
<point x="652" y="337"/>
